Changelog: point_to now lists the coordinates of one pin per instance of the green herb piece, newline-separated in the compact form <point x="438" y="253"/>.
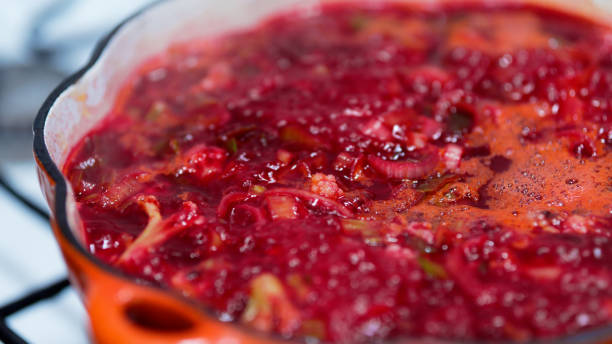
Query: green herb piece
<point x="297" y="135"/>
<point x="369" y="230"/>
<point x="176" y="147"/>
<point x="358" y="22"/>
<point x="432" y="269"/>
<point x="232" y="145"/>
<point x="436" y="183"/>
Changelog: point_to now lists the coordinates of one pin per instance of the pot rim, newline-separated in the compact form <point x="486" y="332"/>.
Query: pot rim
<point x="60" y="215"/>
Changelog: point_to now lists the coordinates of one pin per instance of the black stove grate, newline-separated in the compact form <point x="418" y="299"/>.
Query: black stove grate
<point x="7" y="335"/>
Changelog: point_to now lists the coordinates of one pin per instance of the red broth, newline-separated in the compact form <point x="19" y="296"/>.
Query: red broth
<point x="368" y="173"/>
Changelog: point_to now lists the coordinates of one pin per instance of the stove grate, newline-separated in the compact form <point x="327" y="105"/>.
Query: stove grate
<point x="7" y="335"/>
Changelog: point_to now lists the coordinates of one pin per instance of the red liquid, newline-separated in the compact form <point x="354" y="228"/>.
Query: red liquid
<point x="364" y="174"/>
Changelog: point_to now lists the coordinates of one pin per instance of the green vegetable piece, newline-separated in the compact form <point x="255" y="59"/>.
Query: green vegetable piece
<point x="435" y="184"/>
<point x="176" y="147"/>
<point x="269" y="306"/>
<point x="364" y="227"/>
<point x="432" y="269"/>
<point x="358" y="22"/>
<point x="370" y="231"/>
<point x="297" y="135"/>
<point x="232" y="145"/>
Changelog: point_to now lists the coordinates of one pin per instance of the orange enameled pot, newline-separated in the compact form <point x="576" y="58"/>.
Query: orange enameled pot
<point x="120" y="309"/>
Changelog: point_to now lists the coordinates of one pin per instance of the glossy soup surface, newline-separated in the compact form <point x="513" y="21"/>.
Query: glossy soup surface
<point x="368" y="173"/>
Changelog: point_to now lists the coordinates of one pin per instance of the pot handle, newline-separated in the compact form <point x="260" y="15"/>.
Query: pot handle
<point x="121" y="312"/>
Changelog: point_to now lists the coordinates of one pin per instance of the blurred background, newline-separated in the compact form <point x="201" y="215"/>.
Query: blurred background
<point x="41" y="42"/>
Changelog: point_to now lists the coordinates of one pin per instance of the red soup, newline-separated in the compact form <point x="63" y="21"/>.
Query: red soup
<point x="368" y="173"/>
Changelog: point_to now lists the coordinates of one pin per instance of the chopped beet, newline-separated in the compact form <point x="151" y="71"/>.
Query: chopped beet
<point x="500" y="164"/>
<point x="478" y="151"/>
